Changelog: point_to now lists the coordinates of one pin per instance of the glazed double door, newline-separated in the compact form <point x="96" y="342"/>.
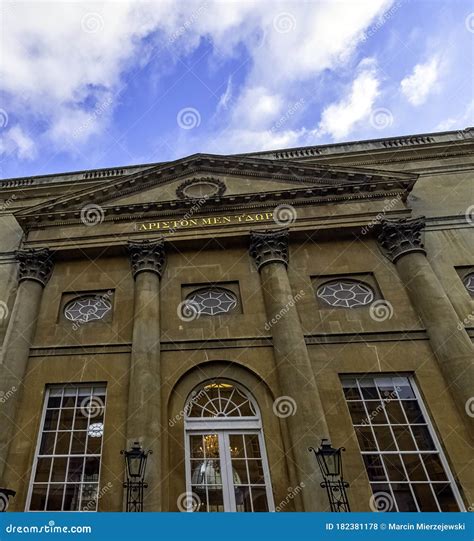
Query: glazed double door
<point x="227" y="470"/>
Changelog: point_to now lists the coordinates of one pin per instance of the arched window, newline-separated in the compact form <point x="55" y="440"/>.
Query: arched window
<point x="469" y="282"/>
<point x="226" y="464"/>
<point x="87" y="308"/>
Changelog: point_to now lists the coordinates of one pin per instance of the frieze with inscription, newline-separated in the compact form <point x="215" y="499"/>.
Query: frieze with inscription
<point x="183" y="223"/>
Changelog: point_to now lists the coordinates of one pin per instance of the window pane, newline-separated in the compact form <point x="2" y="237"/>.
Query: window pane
<point x="394" y="468"/>
<point x="351" y="389"/>
<point x="62" y="443"/>
<point x="384" y="438"/>
<point x="197" y="449"/>
<point x="404" y="438"/>
<point x="403" y="387"/>
<point x="78" y="446"/>
<point x="425" y="497"/>
<point x="373" y="465"/>
<point x="404" y="497"/>
<point x="38" y="498"/>
<point x="369" y="390"/>
<point x="434" y="467"/>
<point x="365" y="438"/>
<point x="76" y="465"/>
<point x="423" y="438"/>
<point x="252" y="446"/>
<point x="47" y="443"/>
<point x="395" y="412"/>
<point x="59" y="469"/>
<point x="71" y="497"/>
<point x="256" y="472"/>
<point x="215" y="499"/>
<point x="239" y="472"/>
<point x="243" y="499"/>
<point x="42" y="470"/>
<point x="89" y="497"/>
<point x="55" y="498"/>
<point x="445" y="497"/>
<point x="413" y="411"/>
<point x="259" y="499"/>
<point x="51" y="419"/>
<point x="377" y="414"/>
<point x="414" y="467"/>
<point x="358" y="413"/>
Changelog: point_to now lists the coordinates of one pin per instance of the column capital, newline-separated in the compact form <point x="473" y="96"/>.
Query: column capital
<point x="269" y="246"/>
<point x="147" y="255"/>
<point x="35" y="264"/>
<point x="401" y="237"/>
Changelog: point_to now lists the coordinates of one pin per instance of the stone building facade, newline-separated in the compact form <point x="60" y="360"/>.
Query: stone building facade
<point x="228" y="313"/>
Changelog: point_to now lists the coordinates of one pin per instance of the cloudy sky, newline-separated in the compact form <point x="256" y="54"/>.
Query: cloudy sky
<point x="85" y="85"/>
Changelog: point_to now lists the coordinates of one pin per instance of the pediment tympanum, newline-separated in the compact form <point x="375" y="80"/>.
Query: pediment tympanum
<point x="225" y="182"/>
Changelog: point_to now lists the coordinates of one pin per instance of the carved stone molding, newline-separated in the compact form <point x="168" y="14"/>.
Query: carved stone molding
<point x="402" y="237"/>
<point x="269" y="247"/>
<point x="217" y="188"/>
<point x="35" y="264"/>
<point x="147" y="255"/>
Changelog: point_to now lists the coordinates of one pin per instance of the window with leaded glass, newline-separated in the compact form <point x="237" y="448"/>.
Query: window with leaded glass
<point x="403" y="458"/>
<point x="66" y="469"/>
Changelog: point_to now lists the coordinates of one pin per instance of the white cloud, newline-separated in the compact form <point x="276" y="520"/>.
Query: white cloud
<point x="17" y="143"/>
<point x="61" y="60"/>
<point x="464" y="120"/>
<point x="226" y="97"/>
<point x="338" y="119"/>
<point x="417" y="86"/>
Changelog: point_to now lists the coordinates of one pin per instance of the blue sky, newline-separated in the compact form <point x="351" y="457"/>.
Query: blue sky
<point x="85" y="85"/>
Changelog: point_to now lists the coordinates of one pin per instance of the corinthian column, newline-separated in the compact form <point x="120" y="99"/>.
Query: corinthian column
<point x="402" y="243"/>
<point x="35" y="267"/>
<point x="144" y="398"/>
<point x="306" y="421"/>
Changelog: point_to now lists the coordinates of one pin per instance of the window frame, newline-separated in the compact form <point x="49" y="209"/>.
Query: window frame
<point x="438" y="448"/>
<point x="41" y="431"/>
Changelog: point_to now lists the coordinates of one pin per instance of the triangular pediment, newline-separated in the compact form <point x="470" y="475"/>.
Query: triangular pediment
<point x="222" y="180"/>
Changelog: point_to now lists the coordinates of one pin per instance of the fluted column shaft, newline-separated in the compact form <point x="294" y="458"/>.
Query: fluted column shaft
<point x="35" y="267"/>
<point x="144" y="398"/>
<point x="450" y="342"/>
<point x="307" y="426"/>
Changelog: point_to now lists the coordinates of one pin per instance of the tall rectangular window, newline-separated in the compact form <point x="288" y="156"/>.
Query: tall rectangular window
<point x="66" y="469"/>
<point x="402" y="455"/>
